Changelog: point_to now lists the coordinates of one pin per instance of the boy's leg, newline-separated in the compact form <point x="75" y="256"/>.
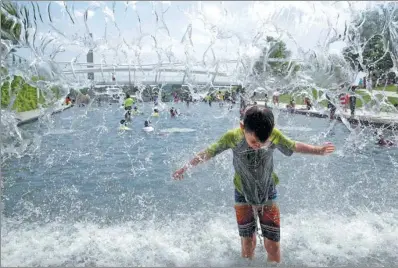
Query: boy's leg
<point x="273" y="250"/>
<point x="270" y="227"/>
<point x="247" y="228"/>
<point x="248" y="246"/>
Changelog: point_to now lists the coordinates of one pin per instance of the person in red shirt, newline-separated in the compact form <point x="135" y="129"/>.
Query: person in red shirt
<point x="344" y="99"/>
<point x="68" y="100"/>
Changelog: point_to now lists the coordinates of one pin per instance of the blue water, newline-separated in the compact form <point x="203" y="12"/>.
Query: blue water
<point x="90" y="195"/>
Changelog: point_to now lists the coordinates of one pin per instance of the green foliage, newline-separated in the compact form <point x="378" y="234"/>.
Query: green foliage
<point x="275" y="49"/>
<point x="393" y="100"/>
<point x="26" y="99"/>
<point x="10" y="28"/>
<point x="57" y="92"/>
<point x="373" y="36"/>
<point x="392" y="88"/>
<point x="17" y="84"/>
<point x="5" y="94"/>
<point x="37" y="78"/>
<point x="3" y="71"/>
<point x="26" y="95"/>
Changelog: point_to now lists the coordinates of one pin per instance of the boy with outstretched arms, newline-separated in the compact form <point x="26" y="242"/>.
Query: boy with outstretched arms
<point x="255" y="182"/>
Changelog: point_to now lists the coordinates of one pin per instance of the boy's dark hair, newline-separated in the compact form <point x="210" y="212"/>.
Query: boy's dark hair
<point x="259" y="121"/>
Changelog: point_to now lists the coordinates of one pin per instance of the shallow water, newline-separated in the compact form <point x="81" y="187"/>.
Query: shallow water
<point x="94" y="196"/>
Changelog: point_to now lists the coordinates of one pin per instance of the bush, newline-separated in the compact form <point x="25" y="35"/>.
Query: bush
<point x="5" y="94"/>
<point x="26" y="94"/>
<point x="26" y="99"/>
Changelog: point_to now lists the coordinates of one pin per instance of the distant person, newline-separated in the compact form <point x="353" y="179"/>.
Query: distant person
<point x="128" y="103"/>
<point x="275" y="97"/>
<point x="382" y="141"/>
<point x="136" y="111"/>
<point x="123" y="125"/>
<point x="155" y="113"/>
<point x="331" y="106"/>
<point x="344" y="100"/>
<point x="127" y="116"/>
<point x="353" y="99"/>
<point x="68" y="100"/>
<point x="147" y="126"/>
<point x="360" y="83"/>
<point x="173" y="112"/>
<point x="292" y="104"/>
<point x="307" y="102"/>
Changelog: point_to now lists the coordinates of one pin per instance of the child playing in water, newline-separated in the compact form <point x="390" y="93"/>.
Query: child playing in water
<point x="127" y="116"/>
<point x="128" y="103"/>
<point x="382" y="141"/>
<point x="155" y="112"/>
<point x="173" y="112"/>
<point x="253" y="145"/>
<point x="123" y="125"/>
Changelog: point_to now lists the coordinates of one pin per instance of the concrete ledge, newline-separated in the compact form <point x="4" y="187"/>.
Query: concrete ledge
<point x="367" y="120"/>
<point x="34" y="115"/>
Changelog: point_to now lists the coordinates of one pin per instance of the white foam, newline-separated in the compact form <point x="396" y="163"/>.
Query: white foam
<point x="148" y="129"/>
<point x="318" y="239"/>
<point x="304" y="129"/>
<point x="175" y="129"/>
<point x="59" y="132"/>
<point x="196" y="239"/>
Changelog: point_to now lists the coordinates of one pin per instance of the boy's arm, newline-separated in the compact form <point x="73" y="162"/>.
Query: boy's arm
<point x="199" y="158"/>
<point x="288" y="146"/>
<point x="313" y="149"/>
<point x="224" y="143"/>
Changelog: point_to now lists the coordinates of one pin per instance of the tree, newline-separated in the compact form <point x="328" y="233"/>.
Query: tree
<point x="374" y="56"/>
<point x="275" y="49"/>
<point x="10" y="27"/>
<point x="373" y="39"/>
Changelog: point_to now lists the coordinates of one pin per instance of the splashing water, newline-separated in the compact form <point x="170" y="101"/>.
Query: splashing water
<point x="77" y="192"/>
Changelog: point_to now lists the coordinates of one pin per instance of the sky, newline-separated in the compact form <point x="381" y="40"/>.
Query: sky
<point x="153" y="32"/>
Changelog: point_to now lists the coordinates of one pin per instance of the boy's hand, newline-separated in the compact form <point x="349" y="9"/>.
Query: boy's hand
<point x="328" y="148"/>
<point x="179" y="174"/>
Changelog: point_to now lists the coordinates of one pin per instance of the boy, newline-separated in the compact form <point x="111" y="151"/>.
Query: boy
<point x="128" y="103"/>
<point x="275" y="98"/>
<point x="253" y="145"/>
<point x="173" y="112"/>
<point x="123" y="125"/>
<point x="127" y="116"/>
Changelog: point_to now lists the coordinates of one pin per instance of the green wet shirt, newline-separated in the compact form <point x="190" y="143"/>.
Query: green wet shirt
<point x="128" y="102"/>
<point x="254" y="176"/>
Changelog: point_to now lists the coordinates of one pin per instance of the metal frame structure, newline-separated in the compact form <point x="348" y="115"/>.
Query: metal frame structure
<point x="71" y="68"/>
